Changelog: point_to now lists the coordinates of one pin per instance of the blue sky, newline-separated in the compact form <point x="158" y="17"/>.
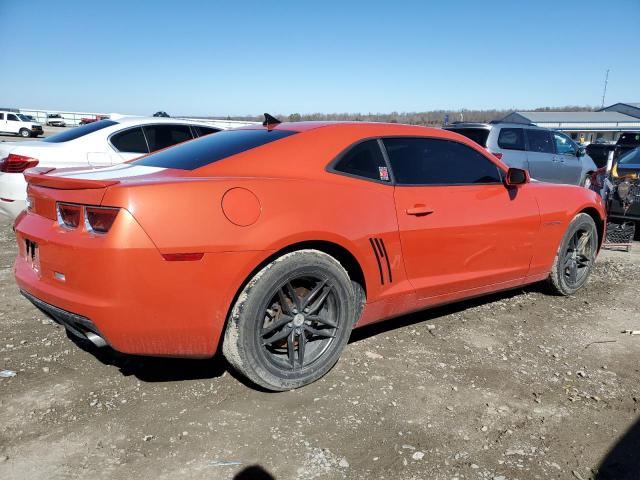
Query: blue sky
<point x="232" y="58"/>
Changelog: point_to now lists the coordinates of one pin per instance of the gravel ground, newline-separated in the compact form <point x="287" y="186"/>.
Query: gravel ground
<point x="520" y="385"/>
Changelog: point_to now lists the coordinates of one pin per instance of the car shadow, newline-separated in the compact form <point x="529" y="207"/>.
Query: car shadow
<point x="155" y="369"/>
<point x="623" y="460"/>
<point x="420" y="316"/>
<point x="166" y="369"/>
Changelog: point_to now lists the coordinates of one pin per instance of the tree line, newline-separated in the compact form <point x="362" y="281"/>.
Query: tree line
<point x="427" y="118"/>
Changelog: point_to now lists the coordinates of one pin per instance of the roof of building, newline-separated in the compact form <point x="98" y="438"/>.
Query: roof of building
<point x="576" y="117"/>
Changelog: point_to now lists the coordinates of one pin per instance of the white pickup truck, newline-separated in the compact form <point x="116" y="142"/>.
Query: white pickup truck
<point x="12" y="122"/>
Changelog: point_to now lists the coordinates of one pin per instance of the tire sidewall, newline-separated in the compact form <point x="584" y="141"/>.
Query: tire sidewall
<point x="248" y="320"/>
<point x="581" y="221"/>
<point x="22" y="133"/>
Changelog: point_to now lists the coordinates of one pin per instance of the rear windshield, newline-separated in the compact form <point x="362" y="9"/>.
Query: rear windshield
<point x="478" y="135"/>
<point x="632" y="157"/>
<point x="209" y="149"/>
<point x="80" y="131"/>
<point x="629" y="139"/>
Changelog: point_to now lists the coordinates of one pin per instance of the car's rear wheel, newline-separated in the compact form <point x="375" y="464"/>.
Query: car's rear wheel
<point x="25" y="133"/>
<point x="291" y="321"/>
<point x="575" y="257"/>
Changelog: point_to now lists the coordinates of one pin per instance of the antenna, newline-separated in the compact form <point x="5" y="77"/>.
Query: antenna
<point x="270" y="121"/>
<point x="604" y="93"/>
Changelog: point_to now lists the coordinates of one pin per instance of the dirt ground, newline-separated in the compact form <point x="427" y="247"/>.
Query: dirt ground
<point x="520" y="385"/>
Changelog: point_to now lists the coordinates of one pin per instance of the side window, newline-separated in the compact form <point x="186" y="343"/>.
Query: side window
<point x="167" y="135"/>
<point x="539" y="141"/>
<point x="511" y="139"/>
<point x="364" y="160"/>
<point x="130" y="141"/>
<point x="202" y="131"/>
<point x="431" y="161"/>
<point x="1" y="116"/>
<point x="12" y="117"/>
<point x="564" y="146"/>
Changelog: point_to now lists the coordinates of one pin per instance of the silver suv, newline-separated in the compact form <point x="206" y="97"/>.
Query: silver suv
<point x="549" y="156"/>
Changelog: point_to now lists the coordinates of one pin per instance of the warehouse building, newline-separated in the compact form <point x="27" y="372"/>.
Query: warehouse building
<point x="605" y="124"/>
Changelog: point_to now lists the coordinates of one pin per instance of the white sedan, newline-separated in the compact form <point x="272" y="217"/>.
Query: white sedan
<point x="98" y="144"/>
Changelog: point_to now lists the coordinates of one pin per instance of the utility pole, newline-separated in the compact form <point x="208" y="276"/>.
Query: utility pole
<point x="604" y="93"/>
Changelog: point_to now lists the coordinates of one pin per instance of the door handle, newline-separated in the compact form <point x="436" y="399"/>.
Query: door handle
<point x="419" y="210"/>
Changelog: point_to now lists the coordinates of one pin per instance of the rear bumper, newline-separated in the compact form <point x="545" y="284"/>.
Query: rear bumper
<point x="120" y="287"/>
<point x="78" y="325"/>
<point x="13" y="194"/>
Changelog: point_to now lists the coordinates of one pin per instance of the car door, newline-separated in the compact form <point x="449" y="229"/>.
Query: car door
<point x="13" y="123"/>
<point x="460" y="227"/>
<point x="3" y="123"/>
<point x="568" y="162"/>
<point x="130" y="143"/>
<point x="541" y="156"/>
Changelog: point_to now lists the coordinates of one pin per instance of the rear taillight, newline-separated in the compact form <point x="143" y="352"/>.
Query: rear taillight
<point x="68" y="215"/>
<point x="100" y="219"/>
<point x="497" y="155"/>
<point x="17" y="163"/>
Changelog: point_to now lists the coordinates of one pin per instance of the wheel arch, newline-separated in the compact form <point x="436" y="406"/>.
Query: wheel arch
<point x="342" y="254"/>
<point x="599" y="221"/>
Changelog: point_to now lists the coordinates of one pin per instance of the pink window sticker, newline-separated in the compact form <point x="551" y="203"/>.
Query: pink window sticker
<point x="384" y="173"/>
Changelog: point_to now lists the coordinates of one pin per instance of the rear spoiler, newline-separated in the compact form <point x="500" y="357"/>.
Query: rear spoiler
<point x="38" y="176"/>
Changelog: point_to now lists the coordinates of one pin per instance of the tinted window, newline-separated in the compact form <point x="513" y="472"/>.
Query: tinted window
<point x="564" y="145"/>
<point x="80" y="131"/>
<point x="511" y="139"/>
<point x="1" y="116"/>
<point x="209" y="149"/>
<point x="629" y="139"/>
<point x="539" y="141"/>
<point x="630" y="158"/>
<point x="430" y="161"/>
<point x="478" y="135"/>
<point x="130" y="141"/>
<point x="12" y="117"/>
<point x="163" y="136"/>
<point x="364" y="160"/>
<point x="202" y="131"/>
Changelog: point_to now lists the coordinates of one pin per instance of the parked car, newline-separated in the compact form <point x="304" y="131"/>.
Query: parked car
<point x="549" y="156"/>
<point x="275" y="241"/>
<point x="86" y="120"/>
<point x="599" y="152"/>
<point x="56" y="120"/>
<point x="11" y="122"/>
<point x="625" y="176"/>
<point x="106" y="142"/>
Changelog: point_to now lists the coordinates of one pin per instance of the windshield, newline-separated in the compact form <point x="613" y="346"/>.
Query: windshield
<point x="632" y="157"/>
<point x="478" y="135"/>
<point x="629" y="139"/>
<point x="78" y="132"/>
<point x="24" y="118"/>
<point x="209" y="149"/>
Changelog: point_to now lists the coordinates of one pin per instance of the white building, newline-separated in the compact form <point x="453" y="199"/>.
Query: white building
<point x="606" y="124"/>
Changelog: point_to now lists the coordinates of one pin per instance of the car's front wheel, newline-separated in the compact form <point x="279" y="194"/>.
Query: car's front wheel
<point x="291" y="322"/>
<point x="575" y="256"/>
<point x="24" y="133"/>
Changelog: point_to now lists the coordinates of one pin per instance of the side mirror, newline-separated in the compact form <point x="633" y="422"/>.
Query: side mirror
<point x="516" y="176"/>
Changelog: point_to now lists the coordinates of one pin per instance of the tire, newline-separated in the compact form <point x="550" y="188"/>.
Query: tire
<point x="281" y="343"/>
<point x="575" y="256"/>
<point x="586" y="181"/>
<point x="24" y="133"/>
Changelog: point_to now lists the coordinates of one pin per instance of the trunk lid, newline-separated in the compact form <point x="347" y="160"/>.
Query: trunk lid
<point x="78" y="185"/>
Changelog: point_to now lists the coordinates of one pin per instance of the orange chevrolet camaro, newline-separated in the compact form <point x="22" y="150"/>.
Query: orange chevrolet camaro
<point x="270" y="243"/>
